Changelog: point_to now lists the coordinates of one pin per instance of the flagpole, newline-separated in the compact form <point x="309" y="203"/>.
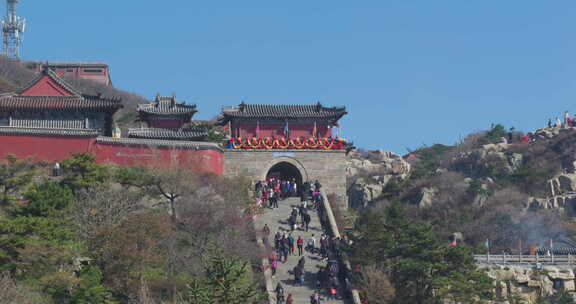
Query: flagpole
<point x="315" y="131"/>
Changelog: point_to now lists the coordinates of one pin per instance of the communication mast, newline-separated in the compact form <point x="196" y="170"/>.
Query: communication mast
<point x="13" y="28"/>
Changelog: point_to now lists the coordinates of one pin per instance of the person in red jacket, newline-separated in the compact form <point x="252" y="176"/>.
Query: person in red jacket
<point x="300" y="244"/>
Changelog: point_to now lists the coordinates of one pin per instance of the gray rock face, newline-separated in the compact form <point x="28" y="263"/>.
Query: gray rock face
<point x="367" y="178"/>
<point x="361" y="193"/>
<point x="427" y="197"/>
<point x="529" y="283"/>
<point x="515" y="161"/>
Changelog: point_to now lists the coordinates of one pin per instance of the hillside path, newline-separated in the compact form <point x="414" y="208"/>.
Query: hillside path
<point x="277" y="220"/>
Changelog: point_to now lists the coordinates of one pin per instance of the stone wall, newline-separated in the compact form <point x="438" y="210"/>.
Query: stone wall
<point x="328" y="167"/>
<point x="529" y="284"/>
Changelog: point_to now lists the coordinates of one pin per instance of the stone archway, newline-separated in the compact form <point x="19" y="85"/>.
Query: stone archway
<point x="285" y="171"/>
<point x="287" y="161"/>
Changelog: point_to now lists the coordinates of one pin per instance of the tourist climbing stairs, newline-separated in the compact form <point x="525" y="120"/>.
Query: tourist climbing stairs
<point x="277" y="220"/>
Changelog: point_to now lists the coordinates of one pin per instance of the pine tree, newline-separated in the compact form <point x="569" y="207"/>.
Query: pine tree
<point x="423" y="269"/>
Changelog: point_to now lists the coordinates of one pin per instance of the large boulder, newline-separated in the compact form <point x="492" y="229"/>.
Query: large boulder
<point x="368" y="174"/>
<point x="427" y="197"/>
<point x="515" y="161"/>
<point x="361" y="194"/>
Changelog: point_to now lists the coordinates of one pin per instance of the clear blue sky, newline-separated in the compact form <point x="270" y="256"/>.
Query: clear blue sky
<point x="410" y="72"/>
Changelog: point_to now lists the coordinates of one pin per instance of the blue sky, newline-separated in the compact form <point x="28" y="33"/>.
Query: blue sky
<point x="411" y="73"/>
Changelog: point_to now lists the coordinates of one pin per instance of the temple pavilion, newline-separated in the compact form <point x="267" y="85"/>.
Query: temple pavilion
<point x="49" y="106"/>
<point x="257" y="126"/>
<point x="167" y="118"/>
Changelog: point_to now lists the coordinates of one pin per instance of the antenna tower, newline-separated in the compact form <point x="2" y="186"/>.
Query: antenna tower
<point x="13" y="28"/>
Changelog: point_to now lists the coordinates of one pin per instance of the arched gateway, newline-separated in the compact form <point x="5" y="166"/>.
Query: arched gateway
<point x="286" y="169"/>
<point x="287" y="141"/>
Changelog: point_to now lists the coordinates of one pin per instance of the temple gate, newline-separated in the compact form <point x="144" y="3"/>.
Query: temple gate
<point x="286" y="141"/>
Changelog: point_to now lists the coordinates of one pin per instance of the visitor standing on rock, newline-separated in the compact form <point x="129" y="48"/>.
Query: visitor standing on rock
<point x="558" y="123"/>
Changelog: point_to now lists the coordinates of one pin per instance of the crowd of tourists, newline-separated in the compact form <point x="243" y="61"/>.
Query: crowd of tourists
<point x="273" y="190"/>
<point x="287" y="244"/>
<point x="566" y="122"/>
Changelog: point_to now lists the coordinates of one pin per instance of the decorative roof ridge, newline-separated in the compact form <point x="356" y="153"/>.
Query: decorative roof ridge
<point x="100" y="97"/>
<point x="167" y="133"/>
<point x="49" y="131"/>
<point x="281" y="111"/>
<point x="317" y="104"/>
<point x="170" y="129"/>
<point x="46" y="71"/>
<point x="180" y="104"/>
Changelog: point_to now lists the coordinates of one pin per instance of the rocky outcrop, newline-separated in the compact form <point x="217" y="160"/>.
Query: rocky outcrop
<point x="361" y="193"/>
<point x="529" y="283"/>
<point x="427" y="197"/>
<point x="378" y="162"/>
<point x="368" y="174"/>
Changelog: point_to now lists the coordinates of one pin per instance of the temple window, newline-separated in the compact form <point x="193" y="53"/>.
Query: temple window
<point x="93" y="71"/>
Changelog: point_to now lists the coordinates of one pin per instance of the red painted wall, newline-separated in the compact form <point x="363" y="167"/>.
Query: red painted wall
<point x="59" y="148"/>
<point x="77" y="71"/>
<point x="196" y="160"/>
<point x="44" y="148"/>
<point x="277" y="129"/>
<point x="46" y="87"/>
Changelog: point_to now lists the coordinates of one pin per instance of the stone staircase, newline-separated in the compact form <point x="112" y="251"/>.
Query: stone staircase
<point x="277" y="220"/>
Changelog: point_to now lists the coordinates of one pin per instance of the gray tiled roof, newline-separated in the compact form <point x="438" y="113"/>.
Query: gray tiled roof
<point x="49" y="132"/>
<point x="85" y="102"/>
<point x="158" y="143"/>
<point x="171" y="134"/>
<point x="167" y="106"/>
<point x="77" y="101"/>
<point x="282" y="112"/>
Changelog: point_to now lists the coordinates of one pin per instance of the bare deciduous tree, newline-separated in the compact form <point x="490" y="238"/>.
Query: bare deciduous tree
<point x="376" y="286"/>
<point x="104" y="206"/>
<point x="13" y="292"/>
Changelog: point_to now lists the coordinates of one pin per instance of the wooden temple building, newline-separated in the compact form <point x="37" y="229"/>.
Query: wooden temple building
<point x="49" y="106"/>
<point x="49" y="120"/>
<point x="252" y="126"/>
<point x="166" y="118"/>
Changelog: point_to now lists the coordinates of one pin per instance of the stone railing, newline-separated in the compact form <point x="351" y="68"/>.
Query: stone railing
<point x="327" y="216"/>
<point x="520" y="259"/>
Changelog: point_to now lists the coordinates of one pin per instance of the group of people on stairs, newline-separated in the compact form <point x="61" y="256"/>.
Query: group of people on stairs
<point x="297" y="242"/>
